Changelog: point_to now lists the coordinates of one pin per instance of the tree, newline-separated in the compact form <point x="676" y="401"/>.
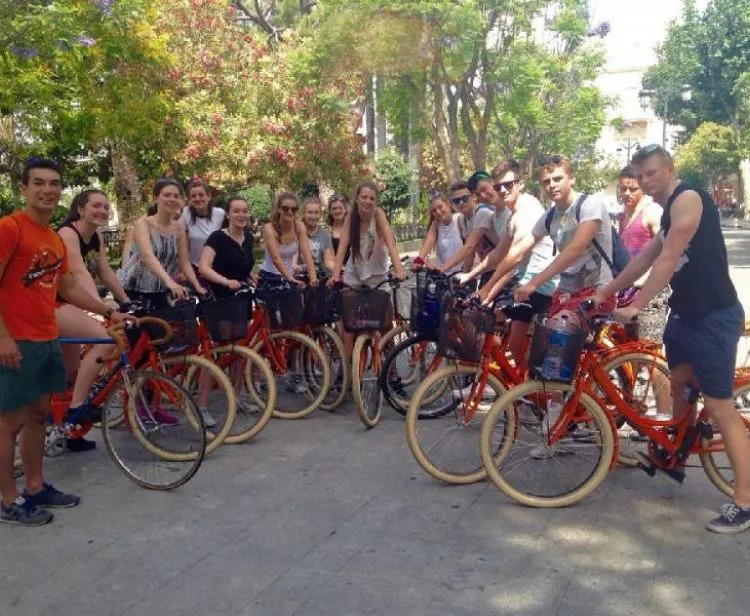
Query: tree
<point x="711" y="154"/>
<point x="710" y="52"/>
<point x="393" y="176"/>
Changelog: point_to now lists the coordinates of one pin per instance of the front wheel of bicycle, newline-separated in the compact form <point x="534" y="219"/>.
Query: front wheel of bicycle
<point x="162" y="441"/>
<point x="368" y="397"/>
<point x="333" y="346"/>
<point x="557" y="456"/>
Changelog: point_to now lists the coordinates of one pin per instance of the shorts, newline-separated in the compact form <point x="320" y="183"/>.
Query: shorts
<point x="42" y="372"/>
<point x="352" y="280"/>
<point x="709" y="346"/>
<point x="538" y="304"/>
<point x="570" y="302"/>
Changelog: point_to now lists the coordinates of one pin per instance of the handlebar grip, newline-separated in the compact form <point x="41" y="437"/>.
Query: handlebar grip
<point x="117" y="333"/>
<point x="159" y="323"/>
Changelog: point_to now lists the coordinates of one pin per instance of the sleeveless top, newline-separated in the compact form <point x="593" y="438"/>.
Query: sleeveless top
<point x="286" y="252"/>
<point x="448" y="242"/>
<point x="89" y="251"/>
<point x="635" y="235"/>
<point x="373" y="259"/>
<point x="136" y="276"/>
<point x="701" y="282"/>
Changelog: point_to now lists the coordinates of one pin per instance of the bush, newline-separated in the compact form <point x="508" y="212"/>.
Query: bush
<point x="395" y="177"/>
<point x="259" y="200"/>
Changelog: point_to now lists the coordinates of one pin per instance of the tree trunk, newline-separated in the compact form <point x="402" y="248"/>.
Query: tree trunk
<point x="370" y="116"/>
<point x="125" y="179"/>
<point x="413" y="145"/>
<point x="744" y="197"/>
<point x="380" y="123"/>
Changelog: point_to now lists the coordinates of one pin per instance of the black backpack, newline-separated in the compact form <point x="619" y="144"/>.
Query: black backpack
<point x="620" y="255"/>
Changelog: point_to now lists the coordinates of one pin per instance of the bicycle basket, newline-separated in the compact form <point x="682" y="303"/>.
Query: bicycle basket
<point x="182" y="319"/>
<point x="226" y="318"/>
<point x="365" y="309"/>
<point x="426" y="304"/>
<point x="320" y="306"/>
<point x="555" y="349"/>
<point x="284" y="307"/>
<point x="463" y="331"/>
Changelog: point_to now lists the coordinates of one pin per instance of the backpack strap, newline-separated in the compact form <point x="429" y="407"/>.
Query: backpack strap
<point x="596" y="244"/>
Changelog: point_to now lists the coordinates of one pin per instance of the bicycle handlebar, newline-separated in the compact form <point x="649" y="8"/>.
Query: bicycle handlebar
<point x="161" y="323"/>
<point x="117" y="333"/>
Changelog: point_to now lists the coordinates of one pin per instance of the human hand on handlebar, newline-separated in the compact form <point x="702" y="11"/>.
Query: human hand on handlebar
<point x="233" y="285"/>
<point x="178" y="291"/>
<point x="626" y="314"/>
<point x="399" y="272"/>
<point x="523" y="292"/>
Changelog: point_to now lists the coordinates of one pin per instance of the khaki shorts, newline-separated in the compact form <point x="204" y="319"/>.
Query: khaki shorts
<point x="42" y="372"/>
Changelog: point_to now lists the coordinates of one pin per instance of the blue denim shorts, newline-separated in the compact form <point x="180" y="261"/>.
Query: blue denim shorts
<point x="709" y="345"/>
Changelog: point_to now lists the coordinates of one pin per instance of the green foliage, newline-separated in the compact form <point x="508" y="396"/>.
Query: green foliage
<point x="710" y="154"/>
<point x="394" y="176"/>
<point x="259" y="200"/>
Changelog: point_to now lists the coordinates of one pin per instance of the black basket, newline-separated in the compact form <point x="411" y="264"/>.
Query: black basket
<point x="320" y="305"/>
<point x="426" y="304"/>
<point x="284" y="307"/>
<point x="226" y="318"/>
<point x="555" y="350"/>
<point x="365" y="309"/>
<point x="182" y="319"/>
<point x="463" y="331"/>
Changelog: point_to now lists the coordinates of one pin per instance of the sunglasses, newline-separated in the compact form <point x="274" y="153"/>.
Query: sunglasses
<point x="554" y="159"/>
<point x="460" y="200"/>
<point x="506" y="186"/>
<point x="290" y="209"/>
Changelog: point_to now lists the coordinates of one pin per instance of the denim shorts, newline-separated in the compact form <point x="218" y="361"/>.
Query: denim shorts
<point x="709" y="345"/>
<point x="42" y="372"/>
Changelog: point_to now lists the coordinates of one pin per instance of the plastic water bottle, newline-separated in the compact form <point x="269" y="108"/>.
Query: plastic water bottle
<point x="554" y="367"/>
<point x="430" y="308"/>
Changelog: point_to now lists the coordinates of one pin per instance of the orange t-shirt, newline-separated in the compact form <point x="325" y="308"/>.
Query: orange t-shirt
<point x="34" y="259"/>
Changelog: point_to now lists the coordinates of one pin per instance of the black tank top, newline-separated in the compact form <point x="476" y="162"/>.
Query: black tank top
<point x="701" y="283"/>
<point x="92" y="245"/>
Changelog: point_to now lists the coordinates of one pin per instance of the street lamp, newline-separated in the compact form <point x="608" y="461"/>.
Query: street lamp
<point x="630" y="144"/>
<point x="646" y="96"/>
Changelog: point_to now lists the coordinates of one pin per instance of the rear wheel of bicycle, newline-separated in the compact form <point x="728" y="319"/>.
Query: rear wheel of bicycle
<point x="368" y="397"/>
<point x="547" y="464"/>
<point x="247" y="371"/>
<point x="443" y="434"/>
<point x="642" y="380"/>
<point x="152" y="453"/>
<point x="405" y="367"/>
<point x="290" y="354"/>
<point x="202" y="376"/>
<point x="714" y="458"/>
<point x="329" y="340"/>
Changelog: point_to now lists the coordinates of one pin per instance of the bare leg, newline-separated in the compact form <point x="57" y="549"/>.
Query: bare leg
<point x="518" y="331"/>
<point x="32" y="443"/>
<point x="10" y="426"/>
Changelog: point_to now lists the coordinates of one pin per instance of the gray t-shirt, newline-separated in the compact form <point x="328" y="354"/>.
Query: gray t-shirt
<point x="319" y="241"/>
<point x="527" y="213"/>
<point x="494" y="225"/>
<point x="589" y="270"/>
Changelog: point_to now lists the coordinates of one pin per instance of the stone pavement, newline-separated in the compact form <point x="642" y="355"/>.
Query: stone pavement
<point x="320" y="517"/>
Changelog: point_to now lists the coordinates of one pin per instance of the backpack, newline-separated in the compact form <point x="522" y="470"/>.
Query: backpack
<point x="620" y="255"/>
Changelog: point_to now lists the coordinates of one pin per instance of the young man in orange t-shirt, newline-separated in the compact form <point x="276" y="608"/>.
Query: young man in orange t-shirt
<point x="33" y="268"/>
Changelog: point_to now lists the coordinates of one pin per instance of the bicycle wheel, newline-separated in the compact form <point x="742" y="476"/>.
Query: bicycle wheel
<point x="154" y="454"/>
<point x="333" y="347"/>
<point x="368" y="397"/>
<point x="288" y="352"/>
<point x="201" y="375"/>
<point x="714" y="459"/>
<point x="405" y="367"/>
<point x="642" y="380"/>
<point x="556" y="457"/>
<point x="445" y="443"/>
<point x="247" y="371"/>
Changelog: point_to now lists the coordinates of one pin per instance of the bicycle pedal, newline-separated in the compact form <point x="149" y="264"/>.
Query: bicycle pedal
<point x="705" y="430"/>
<point x="645" y="464"/>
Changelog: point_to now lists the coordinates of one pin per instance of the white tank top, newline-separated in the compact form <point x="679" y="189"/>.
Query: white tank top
<point x="373" y="259"/>
<point x="286" y="252"/>
<point x="448" y="243"/>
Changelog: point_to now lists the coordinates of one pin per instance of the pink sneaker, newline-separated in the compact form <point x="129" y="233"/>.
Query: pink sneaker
<point x="159" y="416"/>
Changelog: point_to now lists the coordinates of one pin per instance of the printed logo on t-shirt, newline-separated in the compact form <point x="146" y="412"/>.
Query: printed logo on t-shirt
<point x="44" y="268"/>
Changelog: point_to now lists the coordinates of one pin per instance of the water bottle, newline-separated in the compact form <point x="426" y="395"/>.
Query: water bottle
<point x="430" y="308"/>
<point x="554" y="367"/>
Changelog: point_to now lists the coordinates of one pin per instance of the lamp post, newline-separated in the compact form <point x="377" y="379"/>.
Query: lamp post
<point x="630" y="144"/>
<point x="646" y="96"/>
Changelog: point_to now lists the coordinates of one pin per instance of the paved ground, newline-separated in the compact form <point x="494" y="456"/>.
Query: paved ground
<point x="321" y="517"/>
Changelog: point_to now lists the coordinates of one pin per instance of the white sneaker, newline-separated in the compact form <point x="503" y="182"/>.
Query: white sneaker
<point x="463" y="394"/>
<point x="208" y="419"/>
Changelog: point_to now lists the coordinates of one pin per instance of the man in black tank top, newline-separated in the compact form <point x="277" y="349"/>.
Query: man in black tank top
<point x="706" y="318"/>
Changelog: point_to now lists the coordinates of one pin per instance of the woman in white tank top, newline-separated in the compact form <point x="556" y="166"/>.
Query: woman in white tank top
<point x="372" y="242"/>
<point x="443" y="235"/>
<point x="283" y="236"/>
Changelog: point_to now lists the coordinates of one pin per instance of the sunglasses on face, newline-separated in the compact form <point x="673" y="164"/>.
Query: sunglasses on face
<point x="506" y="186"/>
<point x="290" y="209"/>
<point x="460" y="200"/>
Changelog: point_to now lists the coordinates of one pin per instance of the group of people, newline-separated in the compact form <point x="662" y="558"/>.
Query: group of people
<point x="487" y="228"/>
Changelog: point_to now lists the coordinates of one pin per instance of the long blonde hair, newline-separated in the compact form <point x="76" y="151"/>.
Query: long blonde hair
<point x="276" y="214"/>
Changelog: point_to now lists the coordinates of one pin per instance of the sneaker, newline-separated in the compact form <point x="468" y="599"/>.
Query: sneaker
<point x="463" y="394"/>
<point x="24" y="513"/>
<point x="208" y="419"/>
<point x="158" y="416"/>
<point x="84" y="413"/>
<point x="51" y="498"/>
<point x="733" y="519"/>
<point x="79" y="444"/>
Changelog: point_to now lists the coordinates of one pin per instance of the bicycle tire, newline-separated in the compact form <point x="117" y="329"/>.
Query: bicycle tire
<point x="134" y="430"/>
<point x="310" y="347"/>
<point x="523" y="394"/>
<point x="341" y="377"/>
<point x="248" y="423"/>
<point x="708" y="458"/>
<point x="427" y="450"/>
<point x="195" y="363"/>
<point x="389" y="374"/>
<point x="365" y="377"/>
